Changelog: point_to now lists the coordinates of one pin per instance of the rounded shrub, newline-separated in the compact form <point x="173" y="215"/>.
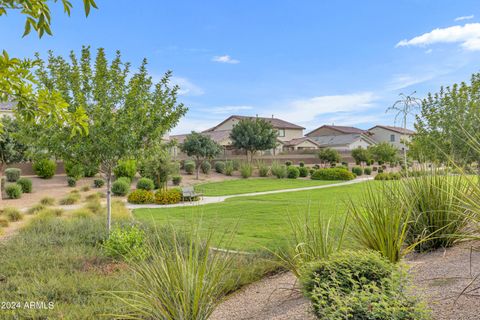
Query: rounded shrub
<point x="228" y="168"/>
<point x="13" y="174"/>
<point x="71" y="181"/>
<point x="90" y="170"/>
<point x="219" y="166"/>
<point x="288" y="163"/>
<point x="13" y="191"/>
<point x="388" y="176"/>
<point x="279" y="171"/>
<point x="12" y="214"/>
<point x="145" y="184"/>
<point x="120" y="187"/>
<point x="126" y="243"/>
<point x="301" y="164"/>
<point x="357" y="171"/>
<point x="74" y="170"/>
<point x="45" y="168"/>
<point x="189" y="167"/>
<point x="246" y="170"/>
<point x="98" y="183"/>
<point x="367" y="171"/>
<point x="25" y="184"/>
<point x="263" y="170"/>
<point x="176" y="180"/>
<point x="169" y="196"/>
<point x="374" y="168"/>
<point x="292" y="172"/>
<point x="236" y="165"/>
<point x="206" y="167"/>
<point x="332" y="174"/>
<point x="303" y="172"/>
<point x="126" y="168"/>
<point x="141" y="196"/>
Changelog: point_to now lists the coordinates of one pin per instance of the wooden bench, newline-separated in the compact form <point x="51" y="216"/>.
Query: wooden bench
<point x="189" y="194"/>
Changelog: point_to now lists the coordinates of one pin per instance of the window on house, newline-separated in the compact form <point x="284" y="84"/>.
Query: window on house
<point x="392" y="138"/>
<point x="281" y="132"/>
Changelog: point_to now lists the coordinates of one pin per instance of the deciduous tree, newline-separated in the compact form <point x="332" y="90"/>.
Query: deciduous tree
<point x="383" y="152"/>
<point x="329" y="155"/>
<point x="201" y="148"/>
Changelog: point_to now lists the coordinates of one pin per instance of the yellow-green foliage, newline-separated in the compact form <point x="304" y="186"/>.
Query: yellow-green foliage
<point x="4" y="222"/>
<point x="94" y="206"/>
<point x="85" y="188"/>
<point x="120" y="212"/>
<point x="82" y="213"/>
<point x="12" y="214"/>
<point x="169" y="196"/>
<point x="71" y="198"/>
<point x="47" y="201"/>
<point x="36" y="208"/>
<point x="140" y="196"/>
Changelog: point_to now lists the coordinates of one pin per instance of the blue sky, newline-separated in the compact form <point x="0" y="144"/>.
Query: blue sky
<point x="309" y="62"/>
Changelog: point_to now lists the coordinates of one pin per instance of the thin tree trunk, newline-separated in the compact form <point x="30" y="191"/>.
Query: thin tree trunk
<point x="2" y="170"/>
<point x="197" y="168"/>
<point x="109" y="202"/>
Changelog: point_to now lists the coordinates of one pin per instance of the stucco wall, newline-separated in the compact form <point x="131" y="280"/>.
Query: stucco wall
<point x="383" y="135"/>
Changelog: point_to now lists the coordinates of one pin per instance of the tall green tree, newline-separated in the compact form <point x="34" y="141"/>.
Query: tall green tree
<point x="126" y="112"/>
<point x="448" y="121"/>
<point x="201" y="148"/>
<point x="361" y="155"/>
<point x="253" y="135"/>
<point x="156" y="163"/>
<point x="329" y="155"/>
<point x="383" y="152"/>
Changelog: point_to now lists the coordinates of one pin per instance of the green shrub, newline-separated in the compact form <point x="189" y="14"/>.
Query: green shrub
<point x="90" y="170"/>
<point x="70" y="199"/>
<point x="236" y="165"/>
<point x="288" y="163"/>
<point x="44" y="168"/>
<point x="278" y="170"/>
<point x="126" y="168"/>
<point x="145" y="184"/>
<point x="263" y="169"/>
<point x="169" y="196"/>
<point x="374" y="168"/>
<point x="47" y="201"/>
<point x="98" y="183"/>
<point x="141" y="196"/>
<point x="292" y="172"/>
<point x="176" y="180"/>
<point x="246" y="170"/>
<point x="332" y="174"/>
<point x="13" y="191"/>
<point x="120" y="187"/>
<point x="36" y="208"/>
<point x="367" y="171"/>
<point x="301" y="164"/>
<point x="12" y="214"/>
<point x="360" y="285"/>
<point x="387" y="175"/>
<point x="74" y="170"/>
<point x="357" y="171"/>
<point x="220" y="167"/>
<point x="71" y="181"/>
<point x="206" y="167"/>
<point x="303" y="172"/>
<point x="127" y="242"/>
<point x="25" y="184"/>
<point x="189" y="167"/>
<point x="4" y="222"/>
<point x="85" y="188"/>
<point x="229" y="168"/>
<point x="13" y="174"/>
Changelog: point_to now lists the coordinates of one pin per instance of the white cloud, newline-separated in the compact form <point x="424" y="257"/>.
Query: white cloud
<point x="186" y="87"/>
<point x="464" y="18"/>
<point x="354" y="119"/>
<point x="225" y="59"/>
<point x="227" y="109"/>
<point x="468" y="36"/>
<point x="429" y="51"/>
<point x="190" y="123"/>
<point x="401" y="81"/>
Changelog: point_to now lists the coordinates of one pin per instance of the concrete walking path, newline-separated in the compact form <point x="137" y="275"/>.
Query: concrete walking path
<point x="218" y="199"/>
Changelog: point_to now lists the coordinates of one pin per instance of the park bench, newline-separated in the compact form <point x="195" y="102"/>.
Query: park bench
<point x="189" y="194"/>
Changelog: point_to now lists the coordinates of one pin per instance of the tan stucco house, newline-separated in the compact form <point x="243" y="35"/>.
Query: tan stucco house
<point x="341" y="138"/>
<point x="393" y="135"/>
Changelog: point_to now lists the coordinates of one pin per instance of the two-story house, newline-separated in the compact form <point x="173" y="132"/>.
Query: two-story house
<point x="396" y="136"/>
<point x="340" y="137"/>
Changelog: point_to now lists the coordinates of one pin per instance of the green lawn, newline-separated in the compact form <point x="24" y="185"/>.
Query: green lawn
<point x="240" y="186"/>
<point x="257" y="221"/>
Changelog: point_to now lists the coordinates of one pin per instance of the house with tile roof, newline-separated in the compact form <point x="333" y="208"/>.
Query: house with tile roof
<point x="6" y="109"/>
<point x="341" y="138"/>
<point x="396" y="136"/>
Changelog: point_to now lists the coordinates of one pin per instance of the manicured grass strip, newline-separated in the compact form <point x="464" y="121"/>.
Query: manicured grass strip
<point x="257" y="221"/>
<point x="241" y="186"/>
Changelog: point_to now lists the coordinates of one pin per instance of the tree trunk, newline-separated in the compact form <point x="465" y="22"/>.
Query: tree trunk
<point x="2" y="182"/>
<point x="197" y="167"/>
<point x="109" y="202"/>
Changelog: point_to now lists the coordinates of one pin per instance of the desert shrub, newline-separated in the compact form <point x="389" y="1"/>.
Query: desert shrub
<point x="380" y="170"/>
<point x="126" y="168"/>
<point x="145" y="184"/>
<point x="71" y="181"/>
<point x="367" y="171"/>
<point x="141" y="196"/>
<point x="120" y="187"/>
<point x="229" y="168"/>
<point x="126" y="242"/>
<point x="220" y="167"/>
<point x="206" y="167"/>
<point x="74" y="170"/>
<point x="357" y="171"/>
<point x="85" y="188"/>
<point x="332" y="174"/>
<point x="70" y="199"/>
<point x="168" y="196"/>
<point x="303" y="172"/>
<point x="4" y="222"/>
<point x="278" y="170"/>
<point x="311" y="171"/>
<point x="98" y="183"/>
<point x="288" y="163"/>
<point x="47" y="201"/>
<point x="176" y="180"/>
<point x="36" y="208"/>
<point x="387" y="176"/>
<point x="374" y="168"/>
<point x="90" y="170"/>
<point x="292" y="172"/>
<point x="44" y="168"/>
<point x="246" y="170"/>
<point x="301" y="164"/>
<point x="189" y="167"/>
<point x="236" y="165"/>
<point x="360" y="285"/>
<point x="12" y="214"/>
<point x="13" y="174"/>
<point x="13" y="191"/>
<point x="263" y="169"/>
<point x="25" y="184"/>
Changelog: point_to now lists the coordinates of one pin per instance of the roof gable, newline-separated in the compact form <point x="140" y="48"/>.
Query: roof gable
<point x="275" y="122"/>
<point x="394" y="129"/>
<point x="340" y="129"/>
